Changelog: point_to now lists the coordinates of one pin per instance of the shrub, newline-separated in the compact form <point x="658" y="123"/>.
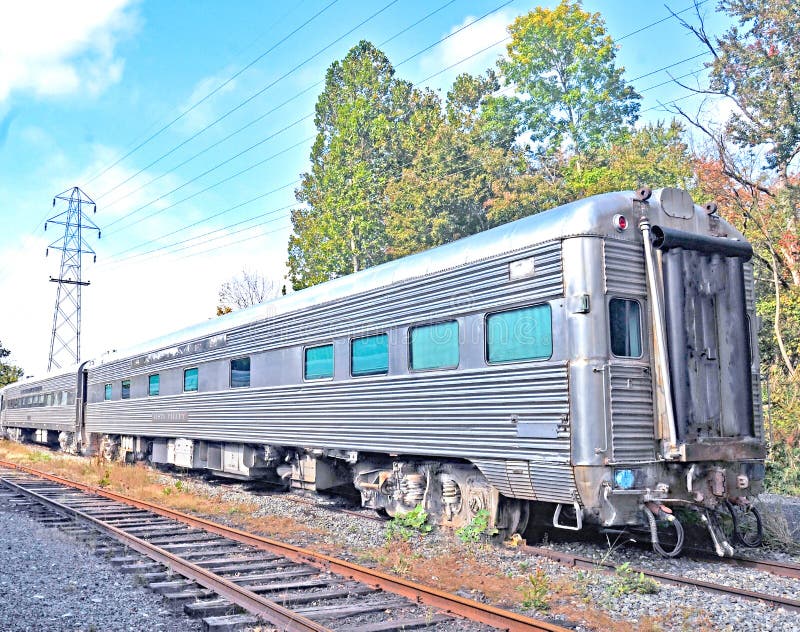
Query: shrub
<point x="404" y="526"/>
<point x="477" y="529"/>
<point x="628" y="581"/>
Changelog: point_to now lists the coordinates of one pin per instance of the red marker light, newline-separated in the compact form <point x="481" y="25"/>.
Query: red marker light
<point x="620" y="222"/>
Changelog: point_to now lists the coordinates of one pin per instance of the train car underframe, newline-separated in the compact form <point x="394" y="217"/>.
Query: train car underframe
<point x="641" y="497"/>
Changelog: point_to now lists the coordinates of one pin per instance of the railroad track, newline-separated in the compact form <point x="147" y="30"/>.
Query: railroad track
<point x="232" y="578"/>
<point x="785" y="570"/>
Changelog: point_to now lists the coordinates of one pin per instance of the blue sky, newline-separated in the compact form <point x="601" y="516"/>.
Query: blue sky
<point x="84" y="83"/>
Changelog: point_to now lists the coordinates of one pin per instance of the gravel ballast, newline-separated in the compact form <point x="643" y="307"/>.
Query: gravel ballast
<point x="50" y="581"/>
<point x="672" y="607"/>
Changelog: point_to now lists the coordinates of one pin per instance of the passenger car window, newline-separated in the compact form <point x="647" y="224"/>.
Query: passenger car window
<point x="153" y="384"/>
<point x="434" y="346"/>
<point x="240" y="372"/>
<point x="126" y="389"/>
<point x="318" y="362"/>
<point x="519" y="334"/>
<point x="106" y="393"/>
<point x="624" y="320"/>
<point x="190" y="380"/>
<point x="369" y="355"/>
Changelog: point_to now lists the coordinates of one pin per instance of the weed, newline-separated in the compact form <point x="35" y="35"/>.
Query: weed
<point x="39" y="457"/>
<point x="535" y="590"/>
<point x="779" y="535"/>
<point x="628" y="581"/>
<point x="179" y="485"/>
<point x="404" y="526"/>
<point x="166" y="491"/>
<point x="478" y="528"/>
<point x="524" y="565"/>
<point x="105" y="481"/>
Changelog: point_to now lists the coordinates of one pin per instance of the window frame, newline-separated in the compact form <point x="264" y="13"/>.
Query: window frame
<point x="488" y="315"/>
<point x="388" y="358"/>
<point x="230" y="372"/>
<point x="149" y="385"/>
<point x="122" y="390"/>
<point x="197" y="388"/>
<point x="449" y="367"/>
<point x="631" y="299"/>
<point x="333" y="360"/>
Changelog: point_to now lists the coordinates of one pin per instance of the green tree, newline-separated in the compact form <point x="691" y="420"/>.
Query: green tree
<point x="655" y="155"/>
<point x="562" y="62"/>
<point x="8" y="372"/>
<point x="456" y="171"/>
<point x="367" y="122"/>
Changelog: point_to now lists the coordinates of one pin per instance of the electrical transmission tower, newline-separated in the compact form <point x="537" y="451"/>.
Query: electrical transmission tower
<point x="65" y="341"/>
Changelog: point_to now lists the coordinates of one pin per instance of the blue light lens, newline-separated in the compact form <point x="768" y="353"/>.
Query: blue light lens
<point x="623" y="478"/>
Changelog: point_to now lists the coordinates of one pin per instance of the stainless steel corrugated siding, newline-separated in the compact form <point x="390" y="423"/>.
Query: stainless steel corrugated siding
<point x="460" y="414"/>
<point x="758" y="408"/>
<point x="630" y="390"/>
<point x="49" y="417"/>
<point x="624" y="268"/>
<point x="546" y="481"/>
<point x="481" y="286"/>
<point x="632" y="424"/>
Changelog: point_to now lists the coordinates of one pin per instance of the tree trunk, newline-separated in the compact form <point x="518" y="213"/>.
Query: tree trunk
<point x="778" y="335"/>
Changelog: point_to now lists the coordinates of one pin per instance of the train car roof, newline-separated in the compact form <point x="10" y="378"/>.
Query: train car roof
<point x="588" y="216"/>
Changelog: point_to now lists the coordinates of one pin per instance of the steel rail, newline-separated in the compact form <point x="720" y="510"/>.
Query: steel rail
<point x="453" y="604"/>
<point x="579" y="561"/>
<point x="781" y="569"/>
<point x="250" y="601"/>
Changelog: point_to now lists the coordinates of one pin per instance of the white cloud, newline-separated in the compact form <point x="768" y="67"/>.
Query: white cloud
<point x="127" y="302"/>
<point x="52" y="48"/>
<point x="468" y="42"/>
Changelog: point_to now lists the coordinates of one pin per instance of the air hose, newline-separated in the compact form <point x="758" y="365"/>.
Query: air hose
<point x="651" y="518"/>
<point x="750" y="540"/>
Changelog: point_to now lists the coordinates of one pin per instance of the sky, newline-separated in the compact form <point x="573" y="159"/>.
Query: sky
<point x="189" y="124"/>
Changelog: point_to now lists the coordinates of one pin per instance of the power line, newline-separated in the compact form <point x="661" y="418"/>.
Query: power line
<point x="669" y="17"/>
<point x="267" y="87"/>
<point x="215" y="90"/>
<point x="247" y="125"/>
<point x="258" y="216"/>
<point x="672" y="65"/>
<point x="253" y="96"/>
<point x="127" y="215"/>
<point x="422" y="81"/>
<point x="212" y="186"/>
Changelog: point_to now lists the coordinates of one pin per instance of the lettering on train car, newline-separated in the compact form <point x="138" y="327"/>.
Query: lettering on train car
<point x="173" y="416"/>
<point x="181" y="351"/>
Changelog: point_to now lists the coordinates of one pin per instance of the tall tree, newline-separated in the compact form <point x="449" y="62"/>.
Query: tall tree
<point x="8" y="372"/>
<point x="755" y="67"/>
<point x="364" y="117"/>
<point x="456" y="171"/>
<point x="244" y="290"/>
<point x="562" y="61"/>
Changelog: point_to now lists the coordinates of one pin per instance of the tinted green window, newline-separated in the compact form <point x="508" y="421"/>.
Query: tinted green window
<point x="370" y="355"/>
<point x="107" y="394"/>
<point x="318" y="362"/>
<point x="240" y="372"/>
<point x="624" y="319"/>
<point x="126" y="389"/>
<point x="434" y="346"/>
<point x="520" y="334"/>
<point x="190" y="380"/>
<point x="153" y="384"/>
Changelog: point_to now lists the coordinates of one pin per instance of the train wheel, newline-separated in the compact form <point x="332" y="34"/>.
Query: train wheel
<point x="512" y="517"/>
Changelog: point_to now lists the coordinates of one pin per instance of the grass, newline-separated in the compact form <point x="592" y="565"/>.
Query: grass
<point x="143" y="483"/>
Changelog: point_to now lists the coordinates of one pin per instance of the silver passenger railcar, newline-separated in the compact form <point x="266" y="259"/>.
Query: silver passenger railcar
<point x="595" y="363"/>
